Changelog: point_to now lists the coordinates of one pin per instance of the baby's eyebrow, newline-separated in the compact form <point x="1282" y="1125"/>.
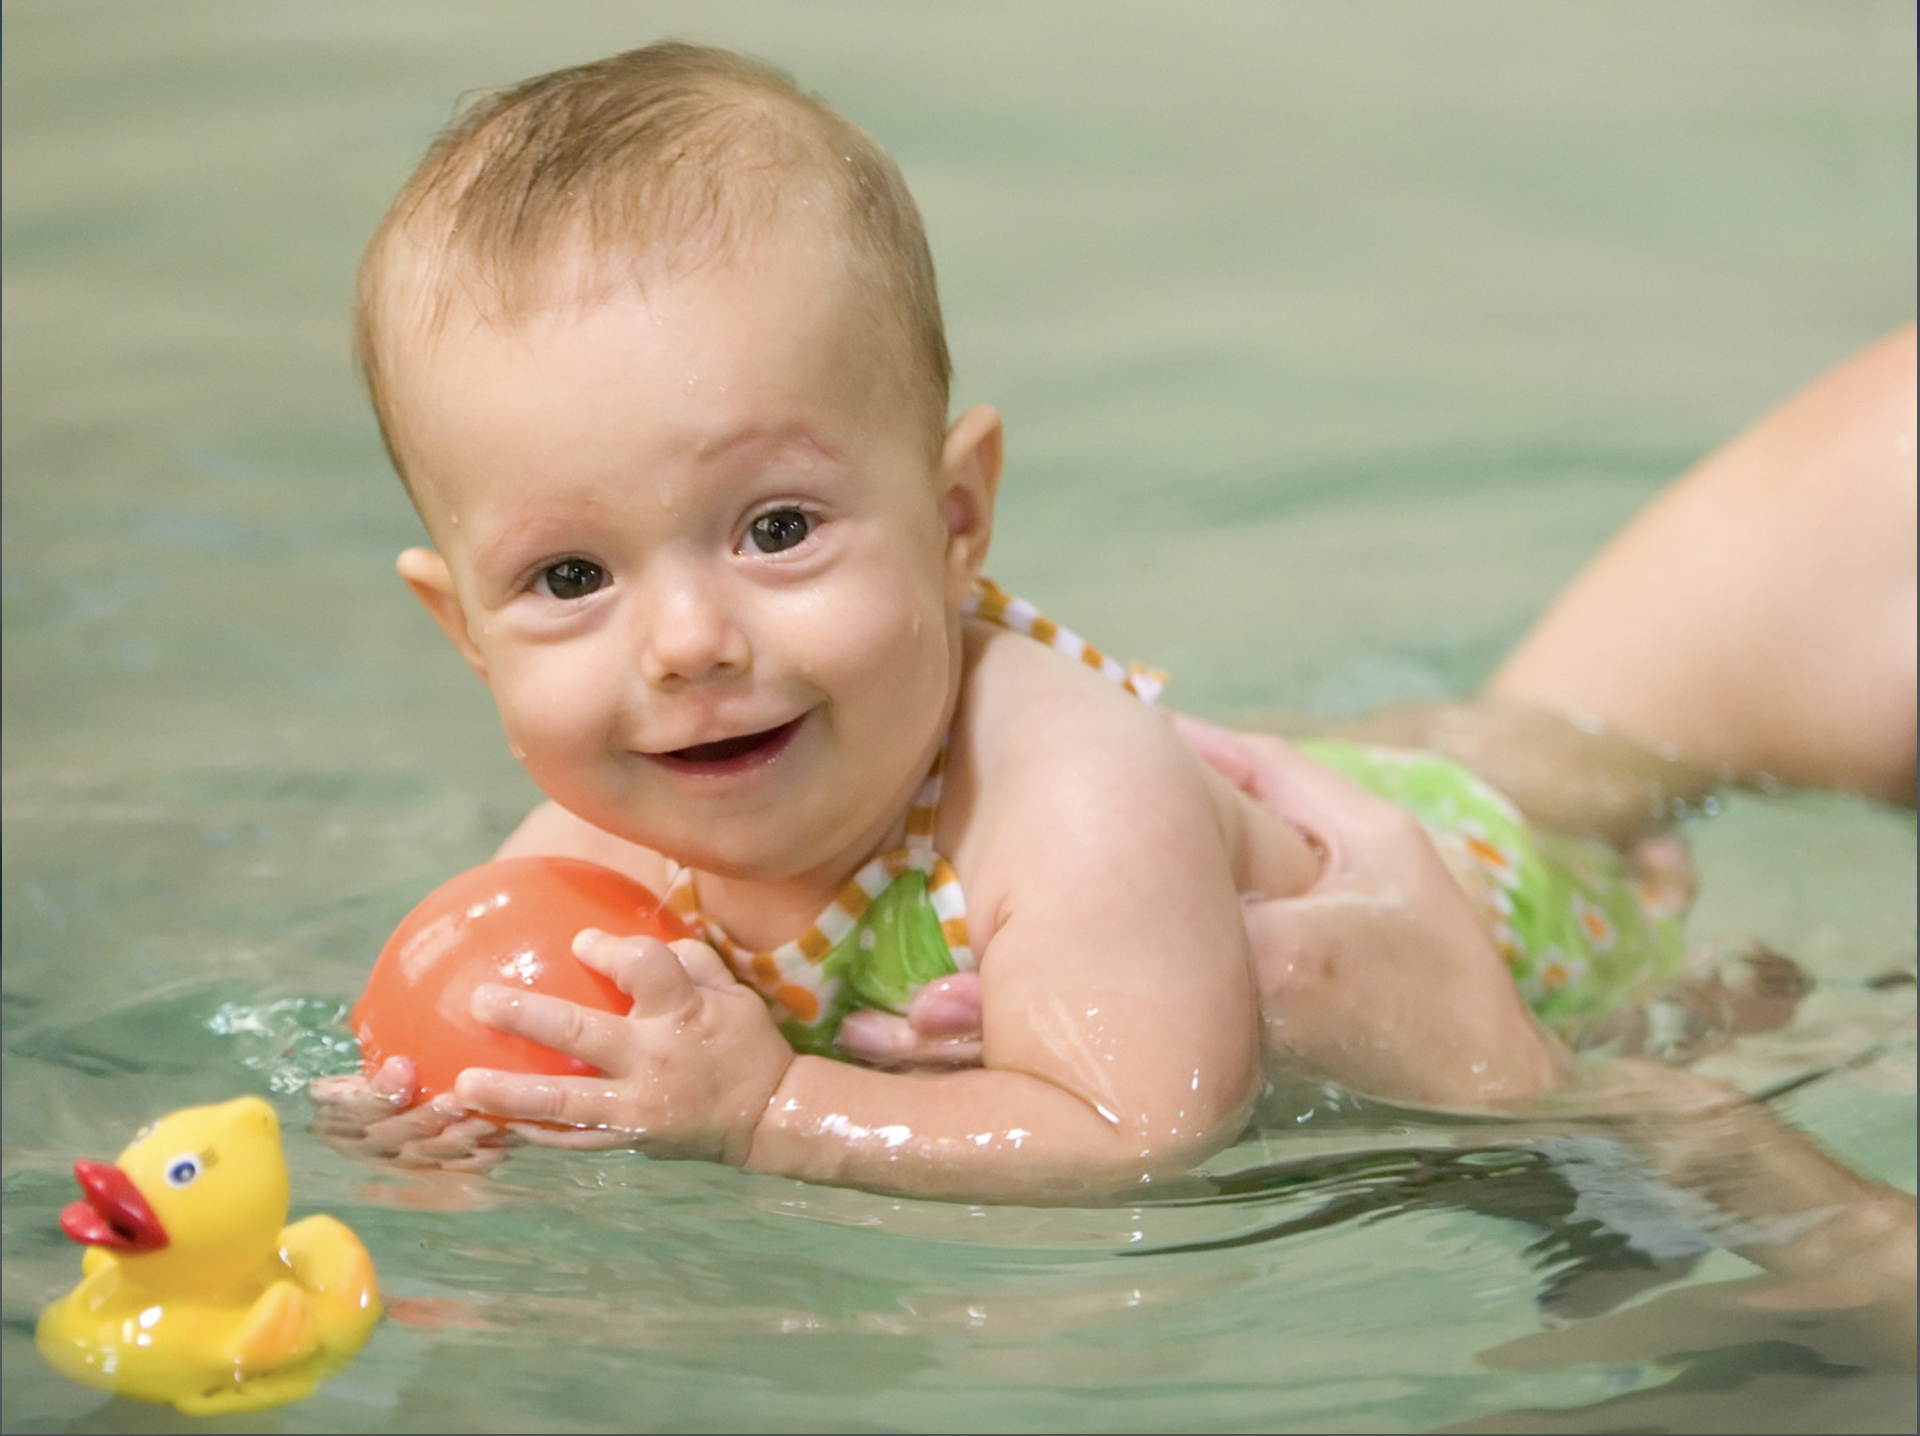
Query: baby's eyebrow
<point x="518" y="539"/>
<point x="796" y="434"/>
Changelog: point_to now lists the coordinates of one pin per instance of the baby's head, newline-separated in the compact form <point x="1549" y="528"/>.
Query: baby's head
<point x="655" y="345"/>
<point x="565" y="187"/>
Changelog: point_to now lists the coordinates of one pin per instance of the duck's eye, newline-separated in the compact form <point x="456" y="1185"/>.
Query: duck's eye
<point x="778" y="531"/>
<point x="571" y="578"/>
<point x="182" y="1170"/>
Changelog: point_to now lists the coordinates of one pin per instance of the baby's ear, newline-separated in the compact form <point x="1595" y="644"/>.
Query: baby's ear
<point x="970" y="462"/>
<point x="427" y="574"/>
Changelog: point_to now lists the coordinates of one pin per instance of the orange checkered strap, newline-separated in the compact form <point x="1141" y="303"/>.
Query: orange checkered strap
<point x="790" y="976"/>
<point x="994" y="604"/>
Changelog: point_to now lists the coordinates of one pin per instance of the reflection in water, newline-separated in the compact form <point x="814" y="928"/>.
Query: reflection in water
<point x="1743" y="1356"/>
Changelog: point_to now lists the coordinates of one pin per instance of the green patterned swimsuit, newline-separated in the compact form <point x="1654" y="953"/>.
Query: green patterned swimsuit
<point x="1581" y="936"/>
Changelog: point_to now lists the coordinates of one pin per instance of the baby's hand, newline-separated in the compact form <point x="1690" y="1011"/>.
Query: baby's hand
<point x="687" y="1073"/>
<point x="377" y="1117"/>
<point x="941" y="1028"/>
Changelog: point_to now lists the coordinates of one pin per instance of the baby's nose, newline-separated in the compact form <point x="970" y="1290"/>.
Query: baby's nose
<point x="689" y="635"/>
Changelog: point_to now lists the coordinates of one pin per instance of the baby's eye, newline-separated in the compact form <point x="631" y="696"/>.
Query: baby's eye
<point x="570" y="578"/>
<point x="778" y="531"/>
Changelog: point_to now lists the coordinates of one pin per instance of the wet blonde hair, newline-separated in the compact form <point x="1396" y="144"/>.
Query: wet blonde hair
<point x="672" y="153"/>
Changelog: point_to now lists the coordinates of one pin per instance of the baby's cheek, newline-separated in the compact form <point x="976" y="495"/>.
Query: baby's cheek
<point x="914" y="627"/>
<point x="559" y="727"/>
<point x="903" y="662"/>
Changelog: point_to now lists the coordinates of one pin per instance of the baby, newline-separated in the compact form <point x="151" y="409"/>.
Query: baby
<point x="655" y="346"/>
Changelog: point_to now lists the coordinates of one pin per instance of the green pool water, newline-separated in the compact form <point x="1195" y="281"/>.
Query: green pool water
<point x="1331" y="338"/>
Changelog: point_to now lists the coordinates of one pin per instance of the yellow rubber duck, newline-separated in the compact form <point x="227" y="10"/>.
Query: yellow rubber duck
<point x="192" y="1290"/>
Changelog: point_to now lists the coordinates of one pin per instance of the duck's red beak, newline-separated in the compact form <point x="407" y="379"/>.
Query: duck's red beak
<point x="113" y="1214"/>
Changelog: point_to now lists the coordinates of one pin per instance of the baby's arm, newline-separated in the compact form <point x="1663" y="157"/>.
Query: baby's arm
<point x="1120" y="1041"/>
<point x="1118" y="1013"/>
<point x="382" y="1116"/>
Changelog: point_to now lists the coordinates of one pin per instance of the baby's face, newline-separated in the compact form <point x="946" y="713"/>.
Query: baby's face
<point x="698" y="547"/>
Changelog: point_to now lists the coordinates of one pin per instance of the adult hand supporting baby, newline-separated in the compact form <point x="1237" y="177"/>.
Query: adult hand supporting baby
<point x="1382" y="976"/>
<point x="687" y="1073"/>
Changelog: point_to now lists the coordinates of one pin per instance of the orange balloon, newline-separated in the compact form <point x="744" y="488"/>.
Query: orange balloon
<point x="513" y="922"/>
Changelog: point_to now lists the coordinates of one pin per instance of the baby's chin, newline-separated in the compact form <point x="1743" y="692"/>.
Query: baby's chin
<point x="741" y="848"/>
<point x="762" y="853"/>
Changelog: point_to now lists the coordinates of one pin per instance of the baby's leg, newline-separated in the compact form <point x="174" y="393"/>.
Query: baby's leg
<point x="1760" y="614"/>
<point x="1565" y="777"/>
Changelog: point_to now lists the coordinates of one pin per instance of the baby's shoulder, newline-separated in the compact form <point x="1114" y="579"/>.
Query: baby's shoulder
<point x="1050" y="742"/>
<point x="1076" y="806"/>
<point x="1020" y="698"/>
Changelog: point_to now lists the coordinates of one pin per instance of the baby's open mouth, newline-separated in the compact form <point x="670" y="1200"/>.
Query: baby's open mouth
<point x="733" y="750"/>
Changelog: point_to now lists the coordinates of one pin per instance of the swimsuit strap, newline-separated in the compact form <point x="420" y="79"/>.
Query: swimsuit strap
<point x="994" y="604"/>
<point x="789" y="974"/>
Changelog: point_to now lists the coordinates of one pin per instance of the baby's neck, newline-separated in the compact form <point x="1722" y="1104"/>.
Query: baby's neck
<point x="760" y="914"/>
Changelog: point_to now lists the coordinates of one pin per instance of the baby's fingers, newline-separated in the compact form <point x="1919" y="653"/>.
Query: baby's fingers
<point x="392" y="1136"/>
<point x="869" y="1035"/>
<point x="947" y="1007"/>
<point x="459" y="1139"/>
<point x="585" y="1033"/>
<point x="397" y="1078"/>
<point x="577" y="1139"/>
<point x="644" y="968"/>
<point x="883" y="1040"/>
<point x="346" y="1105"/>
<point x="579" y="1102"/>
<point x="703" y="966"/>
<point x="467" y="1144"/>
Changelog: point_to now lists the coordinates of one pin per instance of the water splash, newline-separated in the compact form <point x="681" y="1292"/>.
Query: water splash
<point x="292" y="1040"/>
